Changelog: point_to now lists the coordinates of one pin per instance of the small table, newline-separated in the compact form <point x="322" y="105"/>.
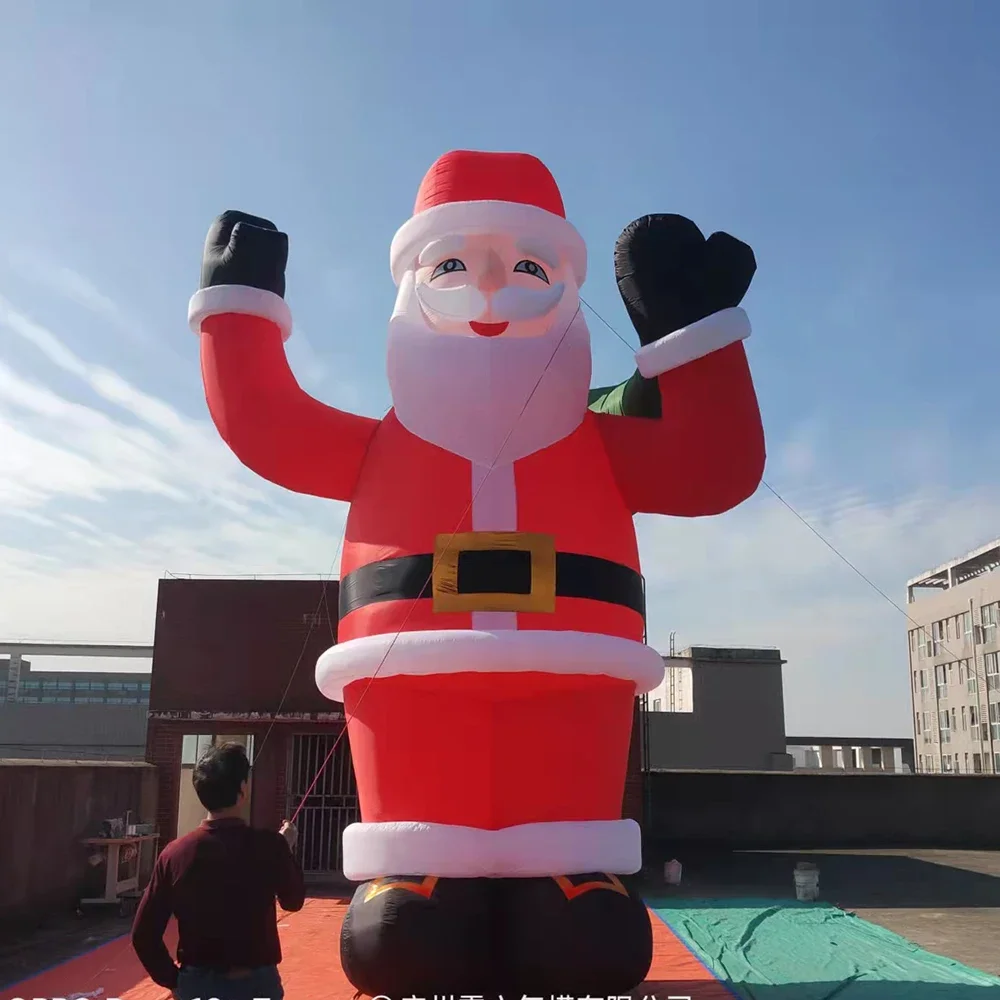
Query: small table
<point x="113" y="886"/>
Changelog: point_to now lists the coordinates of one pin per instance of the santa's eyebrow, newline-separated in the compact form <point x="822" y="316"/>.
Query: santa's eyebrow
<point x="535" y="248"/>
<point x="444" y="247"/>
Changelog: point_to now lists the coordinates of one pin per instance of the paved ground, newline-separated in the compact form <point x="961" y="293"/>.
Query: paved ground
<point x="62" y="937"/>
<point x="945" y="901"/>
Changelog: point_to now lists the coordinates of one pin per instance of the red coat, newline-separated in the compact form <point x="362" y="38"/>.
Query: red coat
<point x="445" y="706"/>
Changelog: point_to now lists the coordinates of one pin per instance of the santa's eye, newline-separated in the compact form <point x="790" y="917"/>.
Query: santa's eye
<point x="449" y="266"/>
<point x="530" y="267"/>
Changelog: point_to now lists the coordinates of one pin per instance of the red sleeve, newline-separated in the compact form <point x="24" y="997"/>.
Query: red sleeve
<point x="705" y="454"/>
<point x="290" y="882"/>
<point x="151" y="919"/>
<point x="272" y="425"/>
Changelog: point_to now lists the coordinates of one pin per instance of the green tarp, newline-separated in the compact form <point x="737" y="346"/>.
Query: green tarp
<point x="768" y="950"/>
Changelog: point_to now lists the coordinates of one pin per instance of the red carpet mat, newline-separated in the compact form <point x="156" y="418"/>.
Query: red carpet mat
<point x="311" y="971"/>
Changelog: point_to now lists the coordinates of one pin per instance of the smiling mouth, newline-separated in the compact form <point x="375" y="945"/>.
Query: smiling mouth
<point x="488" y="329"/>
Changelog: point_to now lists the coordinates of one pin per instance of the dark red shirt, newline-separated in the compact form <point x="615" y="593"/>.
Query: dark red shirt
<point x="220" y="881"/>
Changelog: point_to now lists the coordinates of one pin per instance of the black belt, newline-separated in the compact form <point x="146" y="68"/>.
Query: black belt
<point x="489" y="572"/>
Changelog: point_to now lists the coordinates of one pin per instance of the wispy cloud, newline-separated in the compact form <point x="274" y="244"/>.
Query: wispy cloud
<point x="99" y="498"/>
<point x="75" y="288"/>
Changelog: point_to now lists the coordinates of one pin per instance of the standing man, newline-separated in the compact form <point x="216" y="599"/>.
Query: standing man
<point x="220" y="881"/>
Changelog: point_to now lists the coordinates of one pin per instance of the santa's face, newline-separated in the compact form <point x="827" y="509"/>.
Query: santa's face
<point x="489" y="354"/>
<point x="490" y="285"/>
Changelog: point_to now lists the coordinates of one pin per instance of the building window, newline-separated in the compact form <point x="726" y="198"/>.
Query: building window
<point x="996" y="763"/>
<point x="977" y="763"/>
<point x="941" y="678"/>
<point x="995" y="720"/>
<point x="989" y="616"/>
<point x="944" y="725"/>
<point x="991" y="662"/>
<point x="946" y="763"/>
<point x="916" y="722"/>
<point x="965" y="721"/>
<point x="656" y="704"/>
<point x="936" y="637"/>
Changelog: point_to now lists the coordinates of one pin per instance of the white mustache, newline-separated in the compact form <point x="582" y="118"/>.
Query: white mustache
<point x="466" y="302"/>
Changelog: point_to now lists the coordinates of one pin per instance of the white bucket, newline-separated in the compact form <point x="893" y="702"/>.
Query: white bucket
<point x="806" y="882"/>
<point x="672" y="872"/>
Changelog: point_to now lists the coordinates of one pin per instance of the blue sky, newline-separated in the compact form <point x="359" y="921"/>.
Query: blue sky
<point x="851" y="145"/>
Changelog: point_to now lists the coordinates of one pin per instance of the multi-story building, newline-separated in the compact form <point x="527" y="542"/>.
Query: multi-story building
<point x="954" y="646"/>
<point x="28" y="686"/>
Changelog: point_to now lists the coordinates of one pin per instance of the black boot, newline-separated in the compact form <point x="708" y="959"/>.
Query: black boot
<point x="574" y="935"/>
<point x="418" y="936"/>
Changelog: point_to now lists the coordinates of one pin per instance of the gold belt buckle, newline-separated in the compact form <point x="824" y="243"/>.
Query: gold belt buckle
<point x="444" y="577"/>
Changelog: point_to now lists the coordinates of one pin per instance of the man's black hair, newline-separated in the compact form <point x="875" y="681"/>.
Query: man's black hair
<point x="219" y="775"/>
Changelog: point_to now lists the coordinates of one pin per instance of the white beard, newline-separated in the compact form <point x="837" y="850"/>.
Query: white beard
<point x="491" y="400"/>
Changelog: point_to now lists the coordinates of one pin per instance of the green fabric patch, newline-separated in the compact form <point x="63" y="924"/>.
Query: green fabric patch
<point x="635" y="397"/>
<point x="765" y="950"/>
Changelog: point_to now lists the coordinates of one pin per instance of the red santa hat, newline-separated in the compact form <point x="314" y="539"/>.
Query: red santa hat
<point x="473" y="192"/>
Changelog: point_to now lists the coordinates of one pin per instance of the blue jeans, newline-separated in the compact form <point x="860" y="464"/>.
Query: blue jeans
<point x="206" y="984"/>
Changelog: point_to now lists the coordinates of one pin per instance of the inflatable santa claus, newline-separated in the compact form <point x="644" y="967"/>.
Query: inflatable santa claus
<point x="491" y="635"/>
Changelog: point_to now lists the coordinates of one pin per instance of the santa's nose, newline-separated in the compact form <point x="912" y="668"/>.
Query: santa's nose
<point x="492" y="278"/>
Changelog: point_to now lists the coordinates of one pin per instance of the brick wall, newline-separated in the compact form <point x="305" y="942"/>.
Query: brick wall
<point x="282" y="750"/>
<point x="163" y="751"/>
<point x="267" y="806"/>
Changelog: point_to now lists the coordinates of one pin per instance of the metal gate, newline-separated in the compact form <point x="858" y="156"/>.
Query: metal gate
<point x="332" y="804"/>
